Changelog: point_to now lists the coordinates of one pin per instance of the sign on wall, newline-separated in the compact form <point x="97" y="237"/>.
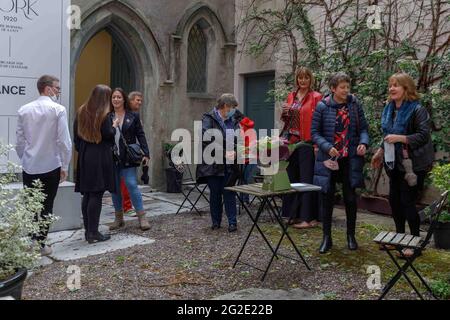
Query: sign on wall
<point x="35" y="40"/>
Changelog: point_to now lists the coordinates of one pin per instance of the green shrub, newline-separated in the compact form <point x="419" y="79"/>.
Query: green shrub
<point x="441" y="289"/>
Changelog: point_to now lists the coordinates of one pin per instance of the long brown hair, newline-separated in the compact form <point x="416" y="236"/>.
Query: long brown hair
<point x="126" y="104"/>
<point x="92" y="114"/>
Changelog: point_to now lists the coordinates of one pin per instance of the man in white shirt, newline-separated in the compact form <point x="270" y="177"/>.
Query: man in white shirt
<point x="44" y="146"/>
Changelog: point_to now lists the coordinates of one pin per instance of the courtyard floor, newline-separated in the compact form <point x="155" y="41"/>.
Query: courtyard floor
<point x="180" y="257"/>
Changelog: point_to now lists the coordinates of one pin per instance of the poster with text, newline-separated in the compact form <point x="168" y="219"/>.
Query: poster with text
<point x="35" y="40"/>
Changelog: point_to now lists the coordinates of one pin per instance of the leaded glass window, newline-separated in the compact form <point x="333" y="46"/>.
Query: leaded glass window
<point x="196" y="68"/>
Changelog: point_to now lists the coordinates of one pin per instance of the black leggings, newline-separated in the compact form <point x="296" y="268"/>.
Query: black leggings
<point x="350" y="201"/>
<point x="402" y="199"/>
<point x="302" y="206"/>
<point x="50" y="182"/>
<point x="91" y="208"/>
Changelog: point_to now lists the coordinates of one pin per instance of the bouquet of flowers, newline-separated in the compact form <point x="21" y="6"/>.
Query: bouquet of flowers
<point x="272" y="154"/>
<point x="268" y="150"/>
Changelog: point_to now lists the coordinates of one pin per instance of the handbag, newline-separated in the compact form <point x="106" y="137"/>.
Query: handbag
<point x="135" y="155"/>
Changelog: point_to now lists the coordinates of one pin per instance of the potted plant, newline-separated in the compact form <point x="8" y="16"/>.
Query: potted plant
<point x="275" y="174"/>
<point x="174" y="171"/>
<point x="18" y="209"/>
<point x="441" y="179"/>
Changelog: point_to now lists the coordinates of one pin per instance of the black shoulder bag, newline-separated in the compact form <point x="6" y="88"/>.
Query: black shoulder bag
<point x="134" y="151"/>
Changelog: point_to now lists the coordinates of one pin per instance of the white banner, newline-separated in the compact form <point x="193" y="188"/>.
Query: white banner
<point x="35" y="40"/>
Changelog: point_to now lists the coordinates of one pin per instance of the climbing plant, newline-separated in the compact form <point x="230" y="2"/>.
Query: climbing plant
<point x="331" y="36"/>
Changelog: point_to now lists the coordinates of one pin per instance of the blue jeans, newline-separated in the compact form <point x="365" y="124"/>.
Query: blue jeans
<point x="130" y="177"/>
<point x="217" y="192"/>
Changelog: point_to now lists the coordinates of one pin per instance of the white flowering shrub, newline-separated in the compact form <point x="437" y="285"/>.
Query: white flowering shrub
<point x="18" y="209"/>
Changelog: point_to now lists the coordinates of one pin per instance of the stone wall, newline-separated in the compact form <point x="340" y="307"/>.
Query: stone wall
<point x="155" y="34"/>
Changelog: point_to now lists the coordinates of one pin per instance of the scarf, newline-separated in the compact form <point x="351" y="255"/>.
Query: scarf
<point x="400" y="124"/>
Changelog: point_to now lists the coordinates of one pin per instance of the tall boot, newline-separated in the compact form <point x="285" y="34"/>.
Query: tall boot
<point x="143" y="222"/>
<point x="118" y="222"/>
<point x="351" y="242"/>
<point x="327" y="244"/>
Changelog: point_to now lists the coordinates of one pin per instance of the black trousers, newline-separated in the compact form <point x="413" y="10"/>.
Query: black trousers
<point x="50" y="181"/>
<point x="303" y="206"/>
<point x="350" y="200"/>
<point x="91" y="207"/>
<point x="402" y="199"/>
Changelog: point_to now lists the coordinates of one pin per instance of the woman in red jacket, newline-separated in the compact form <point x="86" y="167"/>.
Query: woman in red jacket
<point x="301" y="209"/>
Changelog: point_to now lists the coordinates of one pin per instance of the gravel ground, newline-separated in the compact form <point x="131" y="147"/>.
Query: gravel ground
<point x="190" y="261"/>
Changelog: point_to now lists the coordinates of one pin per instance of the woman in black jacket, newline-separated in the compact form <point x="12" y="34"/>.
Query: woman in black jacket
<point x="409" y="153"/>
<point x="129" y="129"/>
<point x="222" y="118"/>
<point x="94" y="139"/>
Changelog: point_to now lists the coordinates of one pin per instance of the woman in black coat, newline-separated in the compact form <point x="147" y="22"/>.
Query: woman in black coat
<point x="407" y="136"/>
<point x="94" y="139"/>
<point x="130" y="129"/>
<point x="222" y="118"/>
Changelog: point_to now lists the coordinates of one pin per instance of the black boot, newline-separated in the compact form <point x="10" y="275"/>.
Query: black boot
<point x="97" y="237"/>
<point x="326" y="245"/>
<point x="351" y="241"/>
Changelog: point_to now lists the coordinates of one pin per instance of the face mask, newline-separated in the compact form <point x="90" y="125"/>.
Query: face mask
<point x="231" y="113"/>
<point x="54" y="97"/>
<point x="389" y="155"/>
<point x="332" y="164"/>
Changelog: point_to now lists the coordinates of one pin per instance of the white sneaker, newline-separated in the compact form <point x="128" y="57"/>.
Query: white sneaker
<point x="46" y="251"/>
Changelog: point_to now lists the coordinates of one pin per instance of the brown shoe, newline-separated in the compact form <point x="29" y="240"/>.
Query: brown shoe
<point x="118" y="222"/>
<point x="143" y="222"/>
<point x="303" y="225"/>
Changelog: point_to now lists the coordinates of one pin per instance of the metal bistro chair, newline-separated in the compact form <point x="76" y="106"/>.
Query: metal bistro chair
<point x="403" y="241"/>
<point x="192" y="184"/>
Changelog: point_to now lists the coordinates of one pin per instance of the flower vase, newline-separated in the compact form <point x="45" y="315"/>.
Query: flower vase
<point x="276" y="180"/>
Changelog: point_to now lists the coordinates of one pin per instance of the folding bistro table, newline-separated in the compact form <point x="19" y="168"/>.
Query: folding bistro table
<point x="268" y="198"/>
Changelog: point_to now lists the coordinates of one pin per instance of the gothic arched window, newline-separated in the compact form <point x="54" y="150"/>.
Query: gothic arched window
<point x="197" y="62"/>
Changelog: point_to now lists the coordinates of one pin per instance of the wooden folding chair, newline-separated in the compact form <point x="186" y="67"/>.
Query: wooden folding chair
<point x="402" y="241"/>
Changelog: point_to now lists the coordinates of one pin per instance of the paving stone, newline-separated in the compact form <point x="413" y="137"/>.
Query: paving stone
<point x="267" y="294"/>
<point x="67" y="247"/>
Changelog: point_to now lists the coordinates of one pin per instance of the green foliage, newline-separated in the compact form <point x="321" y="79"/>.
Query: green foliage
<point x="168" y="147"/>
<point x="370" y="57"/>
<point x="441" y="288"/>
<point x="441" y="177"/>
<point x="18" y="209"/>
<point x="441" y="180"/>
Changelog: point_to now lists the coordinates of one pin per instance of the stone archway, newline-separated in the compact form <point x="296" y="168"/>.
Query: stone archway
<point x="143" y="53"/>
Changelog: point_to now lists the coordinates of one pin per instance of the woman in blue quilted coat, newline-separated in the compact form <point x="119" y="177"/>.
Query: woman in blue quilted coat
<point x="340" y="130"/>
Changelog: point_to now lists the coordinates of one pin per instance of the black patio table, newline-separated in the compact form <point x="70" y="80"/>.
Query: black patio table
<point x="268" y="198"/>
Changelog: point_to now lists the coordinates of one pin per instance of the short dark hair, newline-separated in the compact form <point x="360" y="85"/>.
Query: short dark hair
<point x="135" y="94"/>
<point x="46" y="81"/>
<point x="337" y="78"/>
<point x="228" y="99"/>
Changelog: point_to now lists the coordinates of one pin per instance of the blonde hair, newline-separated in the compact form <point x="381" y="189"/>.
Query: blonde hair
<point x="407" y="82"/>
<point x="303" y="71"/>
